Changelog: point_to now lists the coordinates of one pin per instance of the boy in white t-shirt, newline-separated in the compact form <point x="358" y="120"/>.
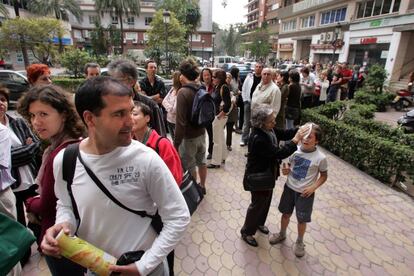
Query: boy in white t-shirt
<point x="307" y="171"/>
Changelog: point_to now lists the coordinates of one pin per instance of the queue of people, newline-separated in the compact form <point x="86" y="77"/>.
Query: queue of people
<point x="101" y="125"/>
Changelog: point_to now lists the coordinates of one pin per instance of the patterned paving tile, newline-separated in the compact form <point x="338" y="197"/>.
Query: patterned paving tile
<point x="359" y="227"/>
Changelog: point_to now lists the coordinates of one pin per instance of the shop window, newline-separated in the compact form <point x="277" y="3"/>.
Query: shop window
<point x="333" y="16"/>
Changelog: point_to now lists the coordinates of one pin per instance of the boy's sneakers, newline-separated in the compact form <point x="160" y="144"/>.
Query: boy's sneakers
<point x="299" y="249"/>
<point x="277" y="238"/>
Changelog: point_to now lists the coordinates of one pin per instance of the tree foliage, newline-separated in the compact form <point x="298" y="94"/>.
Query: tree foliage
<point x="99" y="41"/>
<point x="59" y="8"/>
<point x="37" y="34"/>
<point x="230" y="40"/>
<point x="159" y="33"/>
<point x="187" y="13"/>
<point x="74" y="60"/>
<point x="119" y="8"/>
<point x="260" y="46"/>
<point x="376" y="77"/>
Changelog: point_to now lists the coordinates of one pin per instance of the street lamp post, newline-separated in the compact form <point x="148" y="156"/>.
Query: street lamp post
<point x="335" y="40"/>
<point x="202" y="52"/>
<point x="213" y="36"/>
<point x="166" y="19"/>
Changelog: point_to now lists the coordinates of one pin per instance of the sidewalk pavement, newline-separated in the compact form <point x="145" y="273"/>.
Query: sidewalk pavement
<point x="359" y="227"/>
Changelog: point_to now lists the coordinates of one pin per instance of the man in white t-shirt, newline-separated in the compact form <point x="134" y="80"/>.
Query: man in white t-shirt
<point x="133" y="173"/>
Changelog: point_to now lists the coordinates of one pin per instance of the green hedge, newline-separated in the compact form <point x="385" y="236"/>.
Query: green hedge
<point x="69" y="84"/>
<point x="382" y="130"/>
<point x="380" y="100"/>
<point x="381" y="158"/>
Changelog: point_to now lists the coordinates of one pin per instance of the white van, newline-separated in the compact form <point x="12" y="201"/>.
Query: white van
<point x="219" y="61"/>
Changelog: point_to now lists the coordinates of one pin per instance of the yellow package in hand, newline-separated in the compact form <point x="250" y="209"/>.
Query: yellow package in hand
<point x="85" y="254"/>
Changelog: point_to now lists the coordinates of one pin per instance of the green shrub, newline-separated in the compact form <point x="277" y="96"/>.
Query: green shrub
<point x="376" y="77"/>
<point x="332" y="110"/>
<point x="382" y="130"/>
<point x="380" y="100"/>
<point x="381" y="158"/>
<point x="70" y="85"/>
<point x="366" y="111"/>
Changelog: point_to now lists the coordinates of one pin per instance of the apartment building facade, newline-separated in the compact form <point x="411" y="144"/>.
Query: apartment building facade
<point x="136" y="27"/>
<point x="364" y="31"/>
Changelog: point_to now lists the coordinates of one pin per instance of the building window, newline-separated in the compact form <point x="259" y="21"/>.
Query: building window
<point x="377" y="7"/>
<point x="148" y="21"/>
<point x="77" y="34"/>
<point x="131" y="20"/>
<point x="196" y="37"/>
<point x="289" y="25"/>
<point x="114" y="19"/>
<point x="307" y="22"/>
<point x="131" y="36"/>
<point x="146" y="37"/>
<point x="86" y="34"/>
<point x="333" y="16"/>
<point x="93" y="19"/>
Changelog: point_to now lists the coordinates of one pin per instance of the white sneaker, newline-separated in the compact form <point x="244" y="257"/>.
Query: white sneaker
<point x="242" y="144"/>
<point x="299" y="249"/>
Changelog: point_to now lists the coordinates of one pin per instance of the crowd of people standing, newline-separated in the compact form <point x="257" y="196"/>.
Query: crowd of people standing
<point x="117" y="126"/>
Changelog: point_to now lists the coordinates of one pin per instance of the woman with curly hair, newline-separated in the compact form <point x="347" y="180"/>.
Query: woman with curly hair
<point x="38" y="74"/>
<point x="53" y="117"/>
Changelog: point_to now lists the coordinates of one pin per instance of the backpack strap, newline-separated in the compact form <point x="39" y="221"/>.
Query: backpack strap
<point x="156" y="148"/>
<point x="69" y="165"/>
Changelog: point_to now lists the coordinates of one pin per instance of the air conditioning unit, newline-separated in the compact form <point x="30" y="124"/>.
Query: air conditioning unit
<point x="125" y="41"/>
<point x="329" y="36"/>
<point x="141" y="42"/>
<point x="134" y="41"/>
<point x="323" y="36"/>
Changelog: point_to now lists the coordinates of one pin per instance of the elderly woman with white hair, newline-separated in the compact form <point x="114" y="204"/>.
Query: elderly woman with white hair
<point x="263" y="159"/>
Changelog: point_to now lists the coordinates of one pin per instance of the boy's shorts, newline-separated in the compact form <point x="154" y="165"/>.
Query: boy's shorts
<point x="291" y="199"/>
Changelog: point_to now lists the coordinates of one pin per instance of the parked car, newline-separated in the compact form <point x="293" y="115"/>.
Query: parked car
<point x="141" y="75"/>
<point x="15" y="82"/>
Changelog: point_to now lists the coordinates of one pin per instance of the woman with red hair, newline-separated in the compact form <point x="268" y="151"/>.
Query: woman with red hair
<point x="38" y="74"/>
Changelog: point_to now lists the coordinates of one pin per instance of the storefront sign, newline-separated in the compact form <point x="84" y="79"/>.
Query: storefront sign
<point x="286" y="47"/>
<point x="375" y="23"/>
<point x="321" y="46"/>
<point x="368" y="40"/>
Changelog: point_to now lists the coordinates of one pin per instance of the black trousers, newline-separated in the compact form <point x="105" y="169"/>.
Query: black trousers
<point x="229" y="133"/>
<point x="209" y="129"/>
<point x="257" y="212"/>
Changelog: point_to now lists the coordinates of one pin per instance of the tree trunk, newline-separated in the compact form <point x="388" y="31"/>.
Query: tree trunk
<point x="22" y="41"/>
<point x="24" y="52"/>
<point x="122" y="32"/>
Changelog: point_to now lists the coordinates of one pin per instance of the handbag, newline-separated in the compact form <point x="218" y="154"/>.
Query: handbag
<point x="15" y="240"/>
<point x="260" y="181"/>
<point x="192" y="192"/>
